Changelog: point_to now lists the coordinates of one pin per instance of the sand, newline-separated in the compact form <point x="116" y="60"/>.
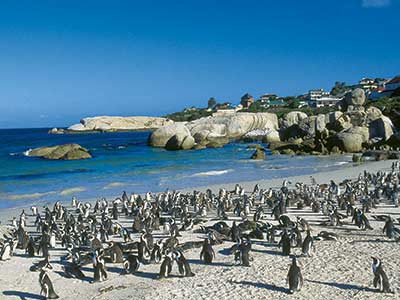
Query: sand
<point x="338" y="270"/>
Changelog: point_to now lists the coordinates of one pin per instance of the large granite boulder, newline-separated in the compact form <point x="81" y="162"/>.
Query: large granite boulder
<point x="241" y="123"/>
<point x="214" y="131"/>
<point x="61" y="152"/>
<point x="349" y="142"/>
<point x="311" y="125"/>
<point x="116" y="123"/>
<point x="161" y="136"/>
<point x="292" y="118"/>
<point x="359" y="130"/>
<point x="355" y="98"/>
<point x="381" y="128"/>
<point x="373" y="113"/>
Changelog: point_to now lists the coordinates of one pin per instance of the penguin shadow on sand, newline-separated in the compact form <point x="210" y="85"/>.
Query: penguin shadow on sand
<point x="86" y="271"/>
<point x="216" y="264"/>
<point x="343" y="286"/>
<point x="21" y="295"/>
<point x="277" y="252"/>
<point x="263" y="285"/>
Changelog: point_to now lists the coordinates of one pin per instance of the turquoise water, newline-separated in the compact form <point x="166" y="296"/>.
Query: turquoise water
<point x="123" y="161"/>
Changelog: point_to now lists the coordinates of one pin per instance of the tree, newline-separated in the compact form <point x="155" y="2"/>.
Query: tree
<point x="294" y="103"/>
<point x="211" y="102"/>
<point x="339" y="87"/>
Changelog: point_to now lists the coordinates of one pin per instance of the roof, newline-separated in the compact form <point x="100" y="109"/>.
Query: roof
<point x="394" y="80"/>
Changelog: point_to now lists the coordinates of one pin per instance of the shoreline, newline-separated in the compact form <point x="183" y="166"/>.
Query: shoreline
<point x="348" y="172"/>
<point x="333" y="272"/>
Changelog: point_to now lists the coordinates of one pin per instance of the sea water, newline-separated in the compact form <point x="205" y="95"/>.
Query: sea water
<point x="123" y="162"/>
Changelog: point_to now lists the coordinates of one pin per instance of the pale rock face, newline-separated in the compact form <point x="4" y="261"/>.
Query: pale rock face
<point x="373" y="113"/>
<point x="77" y="127"/>
<point x="271" y="136"/>
<point x="332" y="117"/>
<point x="350" y="142"/>
<point x="292" y="118"/>
<point x="362" y="131"/>
<point x="355" y="98"/>
<point x="242" y="123"/>
<point x="214" y="131"/>
<point x="381" y="128"/>
<point x="111" y="123"/>
<point x="161" y="136"/>
<point x="320" y="123"/>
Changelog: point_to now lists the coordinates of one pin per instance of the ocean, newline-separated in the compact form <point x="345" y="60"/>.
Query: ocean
<point x="123" y="162"/>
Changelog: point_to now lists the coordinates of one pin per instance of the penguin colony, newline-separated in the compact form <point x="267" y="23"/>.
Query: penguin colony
<point x="93" y="235"/>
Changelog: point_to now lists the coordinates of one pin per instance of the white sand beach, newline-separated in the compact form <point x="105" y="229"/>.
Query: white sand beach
<point x="337" y="270"/>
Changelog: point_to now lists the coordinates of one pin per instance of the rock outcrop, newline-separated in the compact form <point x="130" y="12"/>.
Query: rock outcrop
<point x="213" y="131"/>
<point x="61" y="152"/>
<point x="111" y="123"/>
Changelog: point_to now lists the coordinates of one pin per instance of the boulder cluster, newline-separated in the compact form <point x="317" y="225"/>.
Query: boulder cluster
<point x="213" y="131"/>
<point x="351" y="128"/>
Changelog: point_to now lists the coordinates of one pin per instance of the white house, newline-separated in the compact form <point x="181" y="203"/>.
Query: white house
<point x="317" y="94"/>
<point x="326" y="101"/>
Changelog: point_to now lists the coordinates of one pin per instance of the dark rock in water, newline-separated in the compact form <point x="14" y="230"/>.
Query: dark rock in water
<point x="258" y="154"/>
<point x="358" y="158"/>
<point x="381" y="156"/>
<point x="61" y="152"/>
<point x="335" y="150"/>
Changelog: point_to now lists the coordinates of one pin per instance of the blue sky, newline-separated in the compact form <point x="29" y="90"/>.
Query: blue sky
<point x="64" y="60"/>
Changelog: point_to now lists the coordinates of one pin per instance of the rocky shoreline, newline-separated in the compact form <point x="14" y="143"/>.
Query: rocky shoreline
<point x="352" y="128"/>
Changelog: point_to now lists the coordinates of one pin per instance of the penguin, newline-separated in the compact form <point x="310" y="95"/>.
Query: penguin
<point x="47" y="289"/>
<point x="381" y="280"/>
<point x="242" y="252"/>
<point x="207" y="252"/>
<point x="30" y="249"/>
<point x="116" y="253"/>
<point x="295" y="278"/>
<point x="390" y="230"/>
<point x="131" y="264"/>
<point x="73" y="271"/>
<point x="6" y="252"/>
<point x="183" y="264"/>
<point x="307" y="246"/>
<point x="285" y="243"/>
<point x="166" y="266"/>
<point x="235" y="232"/>
<point x="100" y="273"/>
<point x="52" y="240"/>
<point x="34" y="210"/>
<point x="74" y="202"/>
<point x="156" y="253"/>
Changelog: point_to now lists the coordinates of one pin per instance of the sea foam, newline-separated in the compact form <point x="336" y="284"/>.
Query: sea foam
<point x="211" y="173"/>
